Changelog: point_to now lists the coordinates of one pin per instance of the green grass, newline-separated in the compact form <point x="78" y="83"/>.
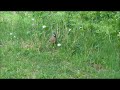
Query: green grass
<point x="89" y="50"/>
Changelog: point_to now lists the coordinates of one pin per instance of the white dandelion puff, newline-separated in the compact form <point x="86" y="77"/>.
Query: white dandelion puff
<point x="14" y="36"/>
<point x="58" y="44"/>
<point x="11" y="33"/>
<point x="33" y="19"/>
<point x="43" y="26"/>
<point x="118" y="34"/>
<point x="69" y="30"/>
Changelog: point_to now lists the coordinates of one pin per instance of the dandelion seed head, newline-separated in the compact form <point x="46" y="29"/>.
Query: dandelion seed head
<point x="118" y="34"/>
<point x="69" y="30"/>
<point x="11" y="33"/>
<point x="58" y="44"/>
<point x="43" y="26"/>
<point x="33" y="19"/>
<point x="14" y="36"/>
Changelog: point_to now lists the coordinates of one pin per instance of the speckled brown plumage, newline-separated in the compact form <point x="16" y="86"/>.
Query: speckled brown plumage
<point x="53" y="39"/>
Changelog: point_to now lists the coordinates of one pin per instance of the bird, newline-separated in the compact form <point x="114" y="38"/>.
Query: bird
<point x="53" y="39"/>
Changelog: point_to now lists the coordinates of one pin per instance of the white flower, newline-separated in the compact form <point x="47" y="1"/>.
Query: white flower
<point x="69" y="30"/>
<point x="14" y="36"/>
<point x="11" y="33"/>
<point x="58" y="44"/>
<point x="43" y="26"/>
<point x="118" y="34"/>
<point x="33" y="19"/>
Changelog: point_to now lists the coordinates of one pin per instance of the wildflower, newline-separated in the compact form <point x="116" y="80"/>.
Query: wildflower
<point x="11" y="33"/>
<point x="33" y="19"/>
<point x="69" y="30"/>
<point x="58" y="44"/>
<point x="43" y="26"/>
<point x="14" y="36"/>
<point x="118" y="34"/>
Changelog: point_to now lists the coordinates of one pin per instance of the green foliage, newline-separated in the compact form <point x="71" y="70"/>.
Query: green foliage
<point x="90" y="42"/>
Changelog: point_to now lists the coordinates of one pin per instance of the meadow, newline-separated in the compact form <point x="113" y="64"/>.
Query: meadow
<point x="89" y="44"/>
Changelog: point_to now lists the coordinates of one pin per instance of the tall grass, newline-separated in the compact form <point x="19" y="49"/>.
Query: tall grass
<point x="89" y="44"/>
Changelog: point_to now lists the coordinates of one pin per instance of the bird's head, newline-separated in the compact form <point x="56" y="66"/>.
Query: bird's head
<point x="54" y="34"/>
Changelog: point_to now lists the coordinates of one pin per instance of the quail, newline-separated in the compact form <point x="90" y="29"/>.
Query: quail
<point x="53" y="39"/>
